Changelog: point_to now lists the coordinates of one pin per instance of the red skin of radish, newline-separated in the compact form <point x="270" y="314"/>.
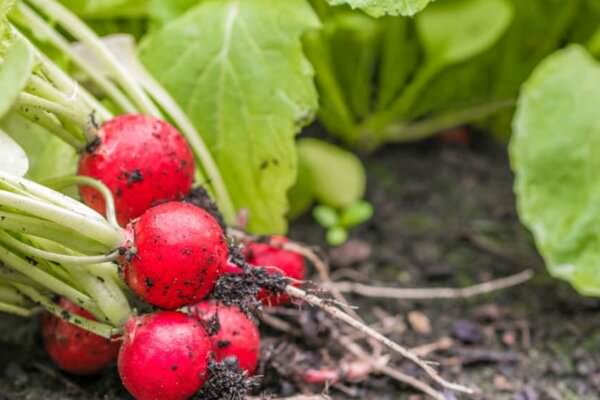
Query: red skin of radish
<point x="178" y="252"/>
<point x="237" y="336"/>
<point x="274" y="260"/>
<point x="75" y="350"/>
<point x="164" y="356"/>
<point x="144" y="162"/>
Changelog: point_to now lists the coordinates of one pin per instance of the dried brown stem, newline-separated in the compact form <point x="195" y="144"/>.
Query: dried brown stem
<point x="433" y="293"/>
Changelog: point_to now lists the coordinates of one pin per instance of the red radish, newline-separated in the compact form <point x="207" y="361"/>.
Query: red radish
<point x="236" y="335"/>
<point x="275" y="260"/>
<point x="164" y="356"/>
<point x="73" y="349"/>
<point x="173" y="255"/>
<point x="144" y="162"/>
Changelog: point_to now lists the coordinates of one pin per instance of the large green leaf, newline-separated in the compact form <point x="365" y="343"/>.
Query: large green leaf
<point x="238" y="70"/>
<point x="555" y="153"/>
<point x="378" y="8"/>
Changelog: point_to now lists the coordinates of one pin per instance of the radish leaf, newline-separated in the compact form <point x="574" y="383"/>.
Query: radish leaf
<point x="555" y="153"/>
<point x="238" y="71"/>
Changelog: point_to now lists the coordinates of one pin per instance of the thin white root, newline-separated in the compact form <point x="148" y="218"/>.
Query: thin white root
<point x="385" y="369"/>
<point x="433" y="293"/>
<point x="404" y="352"/>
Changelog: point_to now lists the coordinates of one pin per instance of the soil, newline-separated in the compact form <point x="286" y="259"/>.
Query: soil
<point x="445" y="216"/>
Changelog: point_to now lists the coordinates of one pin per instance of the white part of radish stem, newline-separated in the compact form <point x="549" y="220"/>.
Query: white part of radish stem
<point x="42" y="192"/>
<point x="15" y="310"/>
<point x="24" y="248"/>
<point x="28" y="100"/>
<point x="83" y="33"/>
<point x="100" y="329"/>
<point x="52" y="124"/>
<point x="46" y="280"/>
<point x="43" y="88"/>
<point x="97" y="230"/>
<point x="38" y="24"/>
<point x="66" y="181"/>
<point x="64" y="82"/>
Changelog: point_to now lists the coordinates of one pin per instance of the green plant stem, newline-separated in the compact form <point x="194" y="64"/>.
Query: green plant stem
<point x="69" y="87"/>
<point x="22" y="224"/>
<point x="84" y="34"/>
<point x="63" y="81"/>
<point x="10" y="295"/>
<point x="15" y="310"/>
<point x="107" y="294"/>
<point x="38" y="24"/>
<point x="48" y="204"/>
<point x="32" y="101"/>
<point x="96" y="230"/>
<point x="46" y="280"/>
<point x="98" y="281"/>
<point x="52" y="124"/>
<point x="100" y="329"/>
<point x="36" y="190"/>
<point x="26" y="249"/>
<point x="76" y="180"/>
<point x="10" y="276"/>
<point x="42" y="88"/>
<point x="420" y="130"/>
<point x="402" y="105"/>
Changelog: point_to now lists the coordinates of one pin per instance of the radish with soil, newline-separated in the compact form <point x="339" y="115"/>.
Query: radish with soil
<point x="73" y="349"/>
<point x="233" y="334"/>
<point x="275" y="260"/>
<point x="164" y="356"/>
<point x="173" y="255"/>
<point x="144" y="161"/>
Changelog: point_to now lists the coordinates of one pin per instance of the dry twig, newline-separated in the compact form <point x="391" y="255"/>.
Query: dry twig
<point x="433" y="293"/>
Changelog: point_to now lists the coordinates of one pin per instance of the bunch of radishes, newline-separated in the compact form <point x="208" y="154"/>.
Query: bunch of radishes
<point x="171" y="257"/>
<point x="134" y="173"/>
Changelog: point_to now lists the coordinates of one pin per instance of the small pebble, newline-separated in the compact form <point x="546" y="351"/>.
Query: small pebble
<point x="419" y="322"/>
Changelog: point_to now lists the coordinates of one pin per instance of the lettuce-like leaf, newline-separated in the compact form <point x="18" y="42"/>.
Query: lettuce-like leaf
<point x="378" y="8"/>
<point x="555" y="153"/>
<point x="238" y="70"/>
